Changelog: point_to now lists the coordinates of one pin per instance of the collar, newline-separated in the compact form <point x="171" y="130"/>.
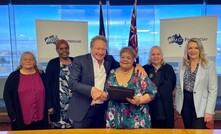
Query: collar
<point x="94" y="60"/>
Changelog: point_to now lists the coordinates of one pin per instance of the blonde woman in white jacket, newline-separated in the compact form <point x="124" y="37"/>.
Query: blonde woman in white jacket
<point x="196" y="90"/>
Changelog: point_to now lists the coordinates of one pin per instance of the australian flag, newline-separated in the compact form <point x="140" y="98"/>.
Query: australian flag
<point x="101" y="27"/>
<point x="133" y="32"/>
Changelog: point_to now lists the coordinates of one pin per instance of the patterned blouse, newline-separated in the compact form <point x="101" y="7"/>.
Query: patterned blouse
<point x="189" y="79"/>
<point x="126" y="115"/>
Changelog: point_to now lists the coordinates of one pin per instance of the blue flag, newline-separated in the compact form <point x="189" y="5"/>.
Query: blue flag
<point x="101" y="27"/>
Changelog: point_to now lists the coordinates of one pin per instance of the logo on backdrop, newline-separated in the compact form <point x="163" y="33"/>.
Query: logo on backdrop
<point x="54" y="38"/>
<point x="177" y="39"/>
<point x="51" y="39"/>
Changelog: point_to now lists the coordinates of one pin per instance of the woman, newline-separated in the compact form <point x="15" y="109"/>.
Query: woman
<point x="25" y="96"/>
<point x="57" y="73"/>
<point x="163" y="75"/>
<point x="133" y="114"/>
<point x="196" y="91"/>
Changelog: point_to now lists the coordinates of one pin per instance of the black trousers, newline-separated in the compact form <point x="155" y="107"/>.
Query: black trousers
<point x="95" y="118"/>
<point x="33" y="126"/>
<point x="189" y="114"/>
<point x="158" y="124"/>
<point x="36" y="125"/>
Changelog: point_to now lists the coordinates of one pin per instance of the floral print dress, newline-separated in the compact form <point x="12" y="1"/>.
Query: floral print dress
<point x="127" y="115"/>
<point x="65" y="95"/>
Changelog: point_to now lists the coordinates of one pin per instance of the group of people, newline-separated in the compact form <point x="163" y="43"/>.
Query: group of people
<point x="73" y="91"/>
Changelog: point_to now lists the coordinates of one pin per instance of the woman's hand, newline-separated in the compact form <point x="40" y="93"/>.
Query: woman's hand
<point x="208" y="117"/>
<point x="140" y="99"/>
<point x="135" y="100"/>
<point x="50" y="110"/>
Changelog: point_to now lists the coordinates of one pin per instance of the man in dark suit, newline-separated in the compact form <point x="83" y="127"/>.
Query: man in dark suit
<point x="87" y="79"/>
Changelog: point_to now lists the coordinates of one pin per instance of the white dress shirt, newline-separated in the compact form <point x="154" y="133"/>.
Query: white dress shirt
<point x="99" y="77"/>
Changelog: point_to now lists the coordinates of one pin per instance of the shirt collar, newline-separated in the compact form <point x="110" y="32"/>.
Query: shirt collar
<point x="94" y="60"/>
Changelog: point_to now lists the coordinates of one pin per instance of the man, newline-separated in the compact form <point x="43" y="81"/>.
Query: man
<point x="87" y="79"/>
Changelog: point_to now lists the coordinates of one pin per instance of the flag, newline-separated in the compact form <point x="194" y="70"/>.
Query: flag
<point x="101" y="27"/>
<point x="132" y="42"/>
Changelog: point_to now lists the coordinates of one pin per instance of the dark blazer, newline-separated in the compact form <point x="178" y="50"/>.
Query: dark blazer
<point x="52" y="75"/>
<point x="12" y="102"/>
<point x="165" y="89"/>
<point x="81" y="81"/>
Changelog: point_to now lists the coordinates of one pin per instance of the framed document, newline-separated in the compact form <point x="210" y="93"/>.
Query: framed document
<point x="117" y="93"/>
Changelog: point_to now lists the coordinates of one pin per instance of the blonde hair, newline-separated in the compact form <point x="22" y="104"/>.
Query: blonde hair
<point x="149" y="60"/>
<point x="203" y="60"/>
<point x="35" y="67"/>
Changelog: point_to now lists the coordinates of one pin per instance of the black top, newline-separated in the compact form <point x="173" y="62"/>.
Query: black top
<point x="157" y="104"/>
<point x="166" y="83"/>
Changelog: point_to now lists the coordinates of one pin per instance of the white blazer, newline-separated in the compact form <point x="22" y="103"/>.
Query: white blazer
<point x="204" y="92"/>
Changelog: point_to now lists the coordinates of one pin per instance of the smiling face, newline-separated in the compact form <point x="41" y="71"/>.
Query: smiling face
<point x="156" y="56"/>
<point x="63" y="50"/>
<point x="98" y="50"/>
<point x="126" y="61"/>
<point x="193" y="51"/>
<point x="127" y="58"/>
<point x="27" y="61"/>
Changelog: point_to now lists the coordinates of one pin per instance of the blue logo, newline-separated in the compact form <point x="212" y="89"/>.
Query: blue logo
<point x="175" y="39"/>
<point x="51" y="39"/>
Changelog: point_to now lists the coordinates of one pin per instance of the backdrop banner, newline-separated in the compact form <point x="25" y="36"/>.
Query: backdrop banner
<point x="175" y="33"/>
<point x="48" y="32"/>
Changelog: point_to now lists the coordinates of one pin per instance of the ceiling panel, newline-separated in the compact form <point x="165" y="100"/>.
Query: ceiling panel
<point x="112" y="2"/>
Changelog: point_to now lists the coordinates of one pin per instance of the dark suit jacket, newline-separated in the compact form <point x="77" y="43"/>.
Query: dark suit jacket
<point x="81" y="81"/>
<point x="165" y="88"/>
<point x="52" y="75"/>
<point x="12" y="102"/>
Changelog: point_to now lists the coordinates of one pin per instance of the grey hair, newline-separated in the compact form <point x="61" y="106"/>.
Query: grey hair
<point x="36" y="67"/>
<point x="149" y="60"/>
<point x="98" y="37"/>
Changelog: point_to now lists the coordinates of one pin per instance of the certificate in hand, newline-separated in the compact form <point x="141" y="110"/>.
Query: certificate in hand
<point x="120" y="93"/>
